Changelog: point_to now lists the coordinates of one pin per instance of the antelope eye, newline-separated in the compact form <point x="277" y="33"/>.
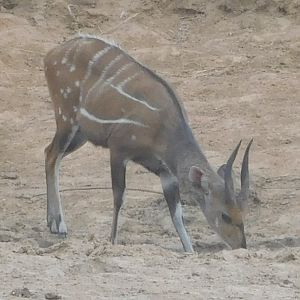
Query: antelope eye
<point x="226" y="218"/>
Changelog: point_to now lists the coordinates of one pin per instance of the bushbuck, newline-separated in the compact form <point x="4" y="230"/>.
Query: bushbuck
<point x="103" y="95"/>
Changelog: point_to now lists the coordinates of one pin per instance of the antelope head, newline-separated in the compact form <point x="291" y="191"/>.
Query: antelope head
<point x="223" y="207"/>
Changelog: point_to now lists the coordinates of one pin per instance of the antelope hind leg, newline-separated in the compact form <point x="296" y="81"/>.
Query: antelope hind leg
<point x="53" y="156"/>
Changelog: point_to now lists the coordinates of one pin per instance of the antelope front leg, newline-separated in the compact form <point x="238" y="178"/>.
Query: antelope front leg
<point x="118" y="170"/>
<point x="171" y="192"/>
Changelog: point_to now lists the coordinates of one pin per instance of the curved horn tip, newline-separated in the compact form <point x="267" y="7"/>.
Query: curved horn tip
<point x="238" y="146"/>
<point x="248" y="148"/>
<point x="245" y="175"/>
<point x="250" y="143"/>
<point x="229" y="185"/>
<point x="233" y="155"/>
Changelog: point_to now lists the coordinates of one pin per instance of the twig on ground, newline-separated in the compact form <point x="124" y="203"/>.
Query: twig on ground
<point x="29" y="51"/>
<point x="120" y="24"/>
<point x="70" y="11"/>
<point x="100" y="188"/>
<point x="7" y="76"/>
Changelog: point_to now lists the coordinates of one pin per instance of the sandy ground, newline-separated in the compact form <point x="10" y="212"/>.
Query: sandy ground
<point x="235" y="64"/>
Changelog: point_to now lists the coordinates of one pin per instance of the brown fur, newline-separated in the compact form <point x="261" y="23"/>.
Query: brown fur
<point x="102" y="95"/>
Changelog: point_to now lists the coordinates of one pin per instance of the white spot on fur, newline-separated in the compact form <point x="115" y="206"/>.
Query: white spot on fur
<point x="65" y="95"/>
<point x="62" y="91"/>
<point x="77" y="83"/>
<point x="72" y="68"/>
<point x="75" y="108"/>
<point x="133" y="137"/>
<point x="64" y="60"/>
<point x="64" y="118"/>
<point x="71" y="121"/>
<point x="59" y="110"/>
<point x="55" y="63"/>
<point x="68" y="90"/>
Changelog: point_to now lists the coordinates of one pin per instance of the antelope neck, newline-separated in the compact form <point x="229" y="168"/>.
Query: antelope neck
<point x="188" y="153"/>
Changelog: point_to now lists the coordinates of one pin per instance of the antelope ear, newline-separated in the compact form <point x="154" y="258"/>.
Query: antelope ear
<point x="195" y="175"/>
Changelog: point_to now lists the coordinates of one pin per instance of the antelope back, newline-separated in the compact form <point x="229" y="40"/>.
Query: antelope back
<point x="98" y="85"/>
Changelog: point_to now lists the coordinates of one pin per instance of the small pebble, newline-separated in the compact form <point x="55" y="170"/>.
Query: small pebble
<point x="24" y="293"/>
<point x="52" y="296"/>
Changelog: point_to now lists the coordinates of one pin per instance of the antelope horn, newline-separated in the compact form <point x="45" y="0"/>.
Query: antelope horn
<point x="244" y="193"/>
<point x="229" y="186"/>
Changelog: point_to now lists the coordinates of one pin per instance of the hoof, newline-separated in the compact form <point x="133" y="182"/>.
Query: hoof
<point x="57" y="226"/>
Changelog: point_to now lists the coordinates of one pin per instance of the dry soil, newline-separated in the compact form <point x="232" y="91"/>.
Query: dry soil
<point x="235" y="65"/>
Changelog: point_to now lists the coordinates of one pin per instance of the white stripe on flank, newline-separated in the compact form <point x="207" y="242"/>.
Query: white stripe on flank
<point x="91" y="117"/>
<point x="110" y="65"/>
<point x="104" y="72"/>
<point x="125" y="67"/>
<point x="94" y="60"/>
<point x="120" y="91"/>
<point x="124" y="82"/>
